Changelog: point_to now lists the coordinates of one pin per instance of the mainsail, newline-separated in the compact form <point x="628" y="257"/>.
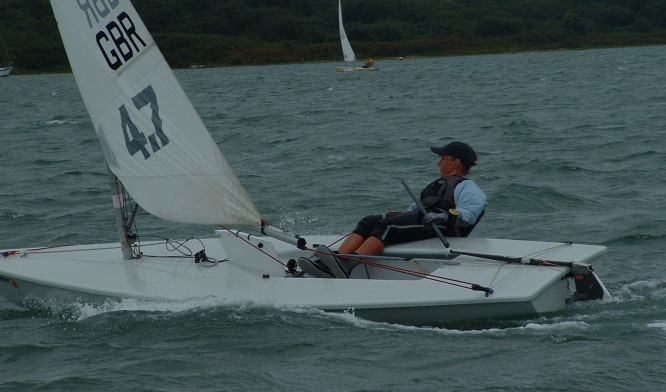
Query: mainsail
<point x="152" y="137"/>
<point x="347" y="50"/>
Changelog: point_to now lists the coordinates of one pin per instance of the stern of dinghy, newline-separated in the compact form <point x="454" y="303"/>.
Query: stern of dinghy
<point x="588" y="285"/>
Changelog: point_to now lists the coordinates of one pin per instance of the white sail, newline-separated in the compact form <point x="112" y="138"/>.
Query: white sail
<point x="152" y="137"/>
<point x="347" y="50"/>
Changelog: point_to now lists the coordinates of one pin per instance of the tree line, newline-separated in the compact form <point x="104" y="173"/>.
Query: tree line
<point x="248" y="32"/>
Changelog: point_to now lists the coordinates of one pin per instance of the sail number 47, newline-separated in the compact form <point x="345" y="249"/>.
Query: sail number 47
<point x="135" y="140"/>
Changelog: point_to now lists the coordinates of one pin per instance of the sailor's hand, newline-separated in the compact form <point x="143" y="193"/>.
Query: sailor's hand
<point x="436" y="218"/>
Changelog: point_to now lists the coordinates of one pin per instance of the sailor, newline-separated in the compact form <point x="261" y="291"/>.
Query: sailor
<point x="369" y="62"/>
<point x="453" y="202"/>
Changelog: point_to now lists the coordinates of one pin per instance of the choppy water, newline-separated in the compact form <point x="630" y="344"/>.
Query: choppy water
<point x="572" y="146"/>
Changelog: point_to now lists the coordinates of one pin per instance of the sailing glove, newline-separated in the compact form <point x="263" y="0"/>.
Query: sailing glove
<point x="436" y="218"/>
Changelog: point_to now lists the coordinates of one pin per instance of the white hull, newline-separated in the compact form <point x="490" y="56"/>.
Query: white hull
<point x="94" y="274"/>
<point x="354" y="69"/>
<point x="5" y="71"/>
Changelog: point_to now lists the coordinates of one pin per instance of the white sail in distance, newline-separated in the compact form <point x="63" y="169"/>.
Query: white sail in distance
<point x="347" y="50"/>
<point x="152" y="137"/>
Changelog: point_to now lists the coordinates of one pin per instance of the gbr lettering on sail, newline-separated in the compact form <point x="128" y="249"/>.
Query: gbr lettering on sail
<point x="118" y="42"/>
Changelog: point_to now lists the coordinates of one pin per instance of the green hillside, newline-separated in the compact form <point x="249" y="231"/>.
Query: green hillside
<point x="234" y="32"/>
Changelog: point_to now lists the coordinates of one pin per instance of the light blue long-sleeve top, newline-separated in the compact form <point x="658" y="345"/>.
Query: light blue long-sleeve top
<point x="470" y="201"/>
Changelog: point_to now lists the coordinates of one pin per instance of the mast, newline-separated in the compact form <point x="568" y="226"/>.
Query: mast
<point x="123" y="222"/>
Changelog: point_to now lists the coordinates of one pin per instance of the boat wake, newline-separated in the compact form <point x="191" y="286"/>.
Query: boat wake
<point x="559" y="328"/>
<point x="654" y="289"/>
<point x="661" y="324"/>
<point x="67" y="311"/>
<point x="214" y="311"/>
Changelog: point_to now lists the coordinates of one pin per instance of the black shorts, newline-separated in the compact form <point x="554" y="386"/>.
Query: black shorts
<point x="395" y="229"/>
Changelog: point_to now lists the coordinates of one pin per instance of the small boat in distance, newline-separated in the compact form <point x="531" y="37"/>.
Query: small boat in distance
<point x="348" y="52"/>
<point x="5" y="71"/>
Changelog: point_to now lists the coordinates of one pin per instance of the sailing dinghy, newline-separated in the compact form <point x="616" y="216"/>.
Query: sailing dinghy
<point x="159" y="152"/>
<point x="6" y="70"/>
<point x="347" y="51"/>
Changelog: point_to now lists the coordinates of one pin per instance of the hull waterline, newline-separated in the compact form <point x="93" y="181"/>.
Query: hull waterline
<point x="97" y="274"/>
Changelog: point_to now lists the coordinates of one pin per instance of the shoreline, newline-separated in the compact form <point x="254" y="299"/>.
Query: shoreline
<point x="480" y="51"/>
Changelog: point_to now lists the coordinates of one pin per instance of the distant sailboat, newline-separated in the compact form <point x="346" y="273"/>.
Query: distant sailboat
<point x="348" y="52"/>
<point x="5" y="71"/>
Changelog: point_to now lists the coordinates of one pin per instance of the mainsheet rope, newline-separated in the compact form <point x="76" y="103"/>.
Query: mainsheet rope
<point x="436" y="278"/>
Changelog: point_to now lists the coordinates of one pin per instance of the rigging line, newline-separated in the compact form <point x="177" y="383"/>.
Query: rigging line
<point x="544" y="263"/>
<point x="361" y="259"/>
<point x="48" y="247"/>
<point x="252" y="245"/>
<point x="436" y="278"/>
<point x="533" y="262"/>
<point x="543" y="251"/>
<point x="339" y="239"/>
<point x="54" y="248"/>
<point x="367" y="271"/>
<point x="45" y="249"/>
<point x="132" y="238"/>
<point x="177" y="246"/>
<point x="131" y="219"/>
<point x="211" y="262"/>
<point x="501" y="267"/>
<point x="406" y="271"/>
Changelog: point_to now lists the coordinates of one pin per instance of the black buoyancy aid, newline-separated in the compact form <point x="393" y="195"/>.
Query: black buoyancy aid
<point x="438" y="195"/>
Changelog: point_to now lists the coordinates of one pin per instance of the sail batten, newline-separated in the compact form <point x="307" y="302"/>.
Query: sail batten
<point x="152" y="137"/>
